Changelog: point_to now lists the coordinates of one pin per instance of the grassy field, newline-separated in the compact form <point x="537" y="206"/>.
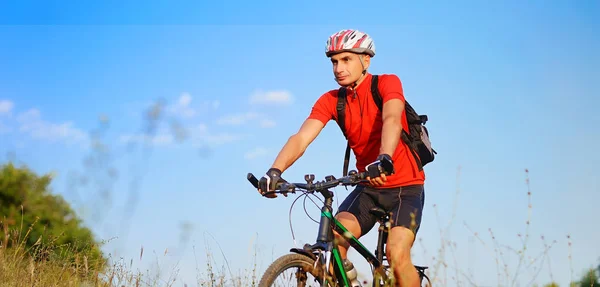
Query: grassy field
<point x="22" y="267"/>
<point x="47" y="264"/>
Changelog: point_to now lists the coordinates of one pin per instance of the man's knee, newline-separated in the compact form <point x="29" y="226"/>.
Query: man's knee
<point x="399" y="244"/>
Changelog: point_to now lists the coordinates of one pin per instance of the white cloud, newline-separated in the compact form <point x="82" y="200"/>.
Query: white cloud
<point x="221" y="138"/>
<point x="161" y="139"/>
<point x="237" y="119"/>
<point x="278" y="97"/>
<point x="265" y="123"/>
<point x="185" y="107"/>
<point x="201" y="128"/>
<point x="31" y="123"/>
<point x="201" y="134"/>
<point x="182" y="107"/>
<point x="164" y="136"/>
<point x="257" y="152"/>
<point x="246" y="118"/>
<point x="185" y="99"/>
<point x="30" y="115"/>
<point x="6" y="107"/>
<point x="198" y="135"/>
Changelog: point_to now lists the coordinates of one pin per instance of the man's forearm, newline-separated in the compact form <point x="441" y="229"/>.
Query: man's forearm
<point x="390" y="135"/>
<point x="291" y="151"/>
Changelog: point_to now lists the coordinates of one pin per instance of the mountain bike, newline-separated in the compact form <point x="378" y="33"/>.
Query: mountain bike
<point x="322" y="260"/>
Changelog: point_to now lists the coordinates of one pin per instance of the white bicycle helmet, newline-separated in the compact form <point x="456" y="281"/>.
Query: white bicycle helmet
<point x="350" y="41"/>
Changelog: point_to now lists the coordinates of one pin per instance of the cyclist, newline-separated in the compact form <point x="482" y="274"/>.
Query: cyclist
<point x="372" y="135"/>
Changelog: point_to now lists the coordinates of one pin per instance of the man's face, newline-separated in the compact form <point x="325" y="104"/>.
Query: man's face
<point x="347" y="67"/>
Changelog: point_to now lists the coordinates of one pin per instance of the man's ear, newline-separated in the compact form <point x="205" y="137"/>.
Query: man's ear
<point x="366" y="59"/>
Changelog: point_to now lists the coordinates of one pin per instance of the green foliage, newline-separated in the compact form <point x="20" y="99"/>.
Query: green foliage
<point x="590" y="278"/>
<point x="36" y="221"/>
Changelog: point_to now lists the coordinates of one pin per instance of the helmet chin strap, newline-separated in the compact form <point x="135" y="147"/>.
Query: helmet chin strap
<point x="364" y="72"/>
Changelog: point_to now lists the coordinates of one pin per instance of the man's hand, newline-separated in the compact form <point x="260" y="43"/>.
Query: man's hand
<point x="269" y="182"/>
<point x="377" y="170"/>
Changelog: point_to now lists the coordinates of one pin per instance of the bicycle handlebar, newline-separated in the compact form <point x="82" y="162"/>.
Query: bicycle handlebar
<point x="330" y="181"/>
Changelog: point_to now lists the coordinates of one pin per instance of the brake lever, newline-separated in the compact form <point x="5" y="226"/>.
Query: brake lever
<point x="286" y="188"/>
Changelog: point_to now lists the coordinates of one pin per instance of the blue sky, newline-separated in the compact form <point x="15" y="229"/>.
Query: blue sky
<point x="507" y="87"/>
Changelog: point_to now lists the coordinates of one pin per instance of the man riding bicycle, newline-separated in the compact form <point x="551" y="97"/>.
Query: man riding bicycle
<point x="373" y="136"/>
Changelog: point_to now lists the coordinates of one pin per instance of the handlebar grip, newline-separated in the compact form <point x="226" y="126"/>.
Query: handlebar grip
<point x="252" y="179"/>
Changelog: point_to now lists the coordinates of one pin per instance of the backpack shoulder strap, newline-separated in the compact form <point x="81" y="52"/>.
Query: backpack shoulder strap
<point x="379" y="100"/>
<point x="375" y="92"/>
<point x="341" y="109"/>
<point x="346" y="160"/>
<point x="403" y="134"/>
<point x="341" y="114"/>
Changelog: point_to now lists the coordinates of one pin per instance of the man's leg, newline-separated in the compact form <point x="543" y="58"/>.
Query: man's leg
<point x="406" y="220"/>
<point x="354" y="215"/>
<point x="351" y="223"/>
<point x="400" y="241"/>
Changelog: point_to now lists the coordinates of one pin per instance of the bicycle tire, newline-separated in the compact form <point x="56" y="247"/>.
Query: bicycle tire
<point x="287" y="261"/>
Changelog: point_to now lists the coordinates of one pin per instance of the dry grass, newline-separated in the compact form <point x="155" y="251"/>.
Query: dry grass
<point x="445" y="269"/>
<point x="45" y="264"/>
<point x="42" y="265"/>
<point x="20" y="266"/>
<point x="213" y="277"/>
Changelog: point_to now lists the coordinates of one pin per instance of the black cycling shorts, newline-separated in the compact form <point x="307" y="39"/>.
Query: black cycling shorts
<point x="401" y="201"/>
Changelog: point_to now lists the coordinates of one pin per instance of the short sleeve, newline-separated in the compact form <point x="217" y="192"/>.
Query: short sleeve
<point x="390" y="87"/>
<point x="324" y="107"/>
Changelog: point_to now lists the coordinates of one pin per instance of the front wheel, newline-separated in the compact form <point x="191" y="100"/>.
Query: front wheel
<point x="293" y="270"/>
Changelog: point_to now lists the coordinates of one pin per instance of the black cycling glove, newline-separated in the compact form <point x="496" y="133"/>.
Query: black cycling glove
<point x="382" y="164"/>
<point x="270" y="181"/>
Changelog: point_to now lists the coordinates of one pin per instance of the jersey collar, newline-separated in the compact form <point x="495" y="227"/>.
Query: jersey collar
<point x="364" y="86"/>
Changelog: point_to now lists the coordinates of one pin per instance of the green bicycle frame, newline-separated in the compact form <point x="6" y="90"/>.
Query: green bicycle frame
<point x="325" y="241"/>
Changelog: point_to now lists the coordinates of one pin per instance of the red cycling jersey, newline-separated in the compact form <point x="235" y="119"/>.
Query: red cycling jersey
<point x="363" y="126"/>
